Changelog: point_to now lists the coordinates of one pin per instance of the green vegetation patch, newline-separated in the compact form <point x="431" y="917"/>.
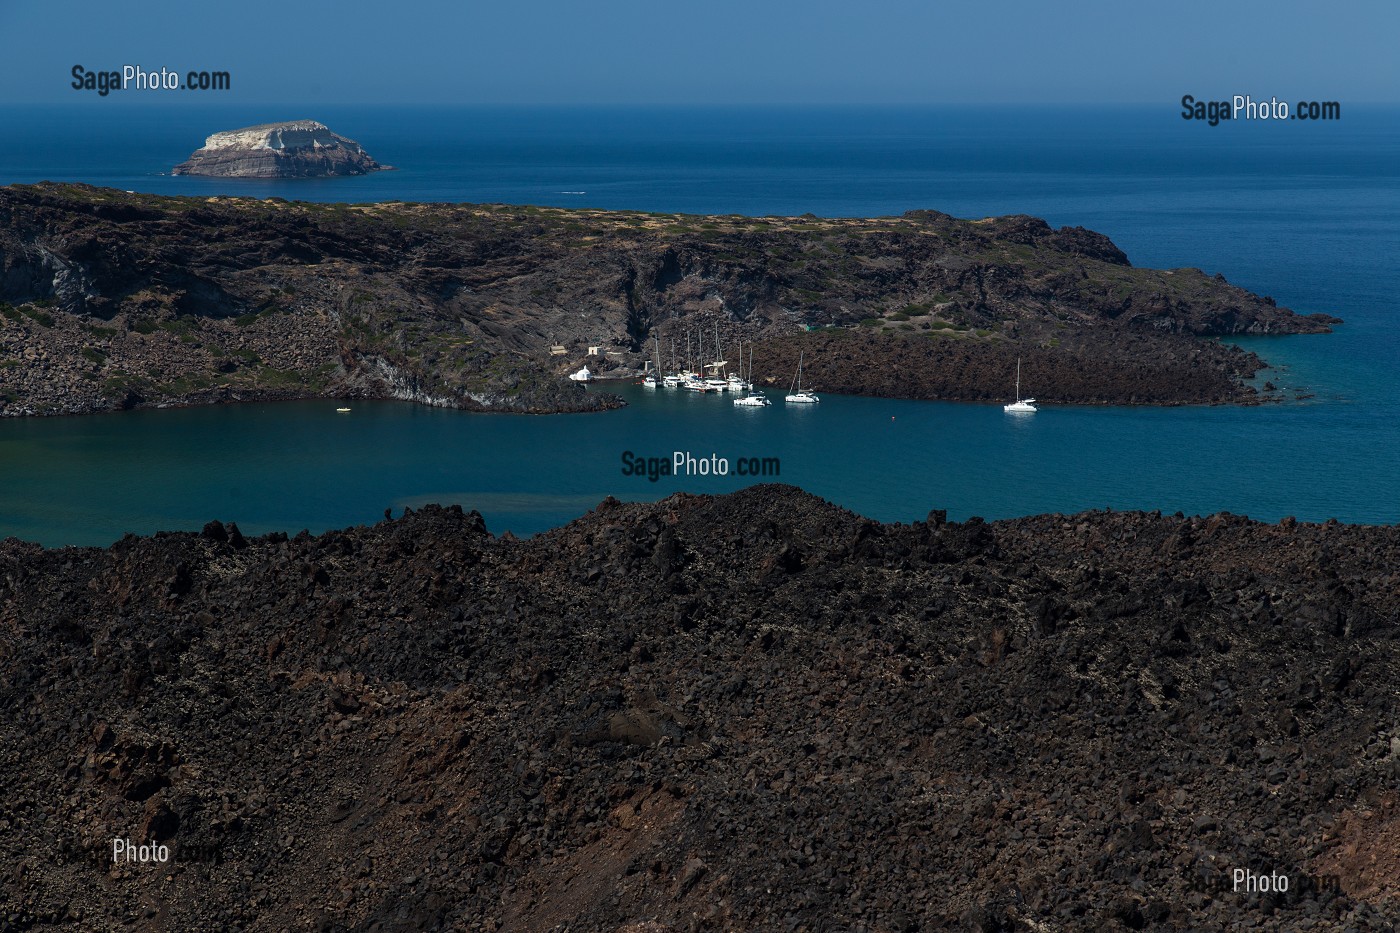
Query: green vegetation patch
<point x="252" y="317"/>
<point x="42" y="318"/>
<point x="119" y="385"/>
<point x="186" y="384"/>
<point x="179" y="326"/>
<point x="320" y="377"/>
<point x="280" y="378"/>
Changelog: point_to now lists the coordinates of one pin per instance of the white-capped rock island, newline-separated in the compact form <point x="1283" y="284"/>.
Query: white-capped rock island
<point x="291" y="149"/>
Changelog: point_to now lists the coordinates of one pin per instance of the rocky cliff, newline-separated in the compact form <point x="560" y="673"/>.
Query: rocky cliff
<point x="110" y="299"/>
<point x="747" y="713"/>
<point x="293" y="149"/>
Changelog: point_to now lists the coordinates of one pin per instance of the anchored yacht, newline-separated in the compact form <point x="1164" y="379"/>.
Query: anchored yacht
<point x="796" y="394"/>
<point x="1021" y="405"/>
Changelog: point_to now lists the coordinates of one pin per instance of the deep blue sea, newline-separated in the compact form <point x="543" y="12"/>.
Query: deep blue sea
<point x="1307" y="213"/>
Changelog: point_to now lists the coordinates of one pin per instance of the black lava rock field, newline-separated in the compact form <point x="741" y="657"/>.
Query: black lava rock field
<point x="748" y="712"/>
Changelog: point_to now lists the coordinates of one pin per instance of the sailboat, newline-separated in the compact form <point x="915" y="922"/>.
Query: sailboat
<point x="716" y="380"/>
<point x="672" y="380"/>
<point x="649" y="381"/>
<point x="796" y="395"/>
<point x="689" y="380"/>
<point x="1021" y="405"/>
<point x="737" y="382"/>
<point x="752" y="399"/>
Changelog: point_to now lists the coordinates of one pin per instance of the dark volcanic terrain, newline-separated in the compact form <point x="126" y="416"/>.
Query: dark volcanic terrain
<point x="755" y="712"/>
<point x="115" y="300"/>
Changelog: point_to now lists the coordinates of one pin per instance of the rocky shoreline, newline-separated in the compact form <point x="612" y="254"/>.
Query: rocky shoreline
<point x="52" y="363"/>
<point x="112" y="300"/>
<point x="1058" y="367"/>
<point x="746" y="712"/>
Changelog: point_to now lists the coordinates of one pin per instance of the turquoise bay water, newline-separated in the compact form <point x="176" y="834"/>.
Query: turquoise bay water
<point x="1308" y="214"/>
<point x="302" y="465"/>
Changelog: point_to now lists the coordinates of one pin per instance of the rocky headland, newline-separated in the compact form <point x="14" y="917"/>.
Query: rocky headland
<point x="753" y="712"/>
<point x="290" y="149"/>
<point x="112" y="300"/>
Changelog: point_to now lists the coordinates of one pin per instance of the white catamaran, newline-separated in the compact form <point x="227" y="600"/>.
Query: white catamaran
<point x="1021" y="405"/>
<point x="753" y="399"/>
<point x="796" y="395"/>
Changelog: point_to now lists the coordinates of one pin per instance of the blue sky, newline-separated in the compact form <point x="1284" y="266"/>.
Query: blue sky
<point x="717" y="52"/>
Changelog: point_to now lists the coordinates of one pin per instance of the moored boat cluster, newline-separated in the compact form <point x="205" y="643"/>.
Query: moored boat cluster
<point x="692" y="376"/>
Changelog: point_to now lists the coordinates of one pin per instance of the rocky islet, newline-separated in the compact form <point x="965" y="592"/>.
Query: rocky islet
<point x="289" y="149"/>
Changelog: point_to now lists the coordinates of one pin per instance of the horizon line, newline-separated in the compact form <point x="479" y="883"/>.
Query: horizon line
<point x="85" y="100"/>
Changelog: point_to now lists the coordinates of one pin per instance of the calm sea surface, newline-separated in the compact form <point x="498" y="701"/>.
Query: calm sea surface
<point x="1309" y="214"/>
